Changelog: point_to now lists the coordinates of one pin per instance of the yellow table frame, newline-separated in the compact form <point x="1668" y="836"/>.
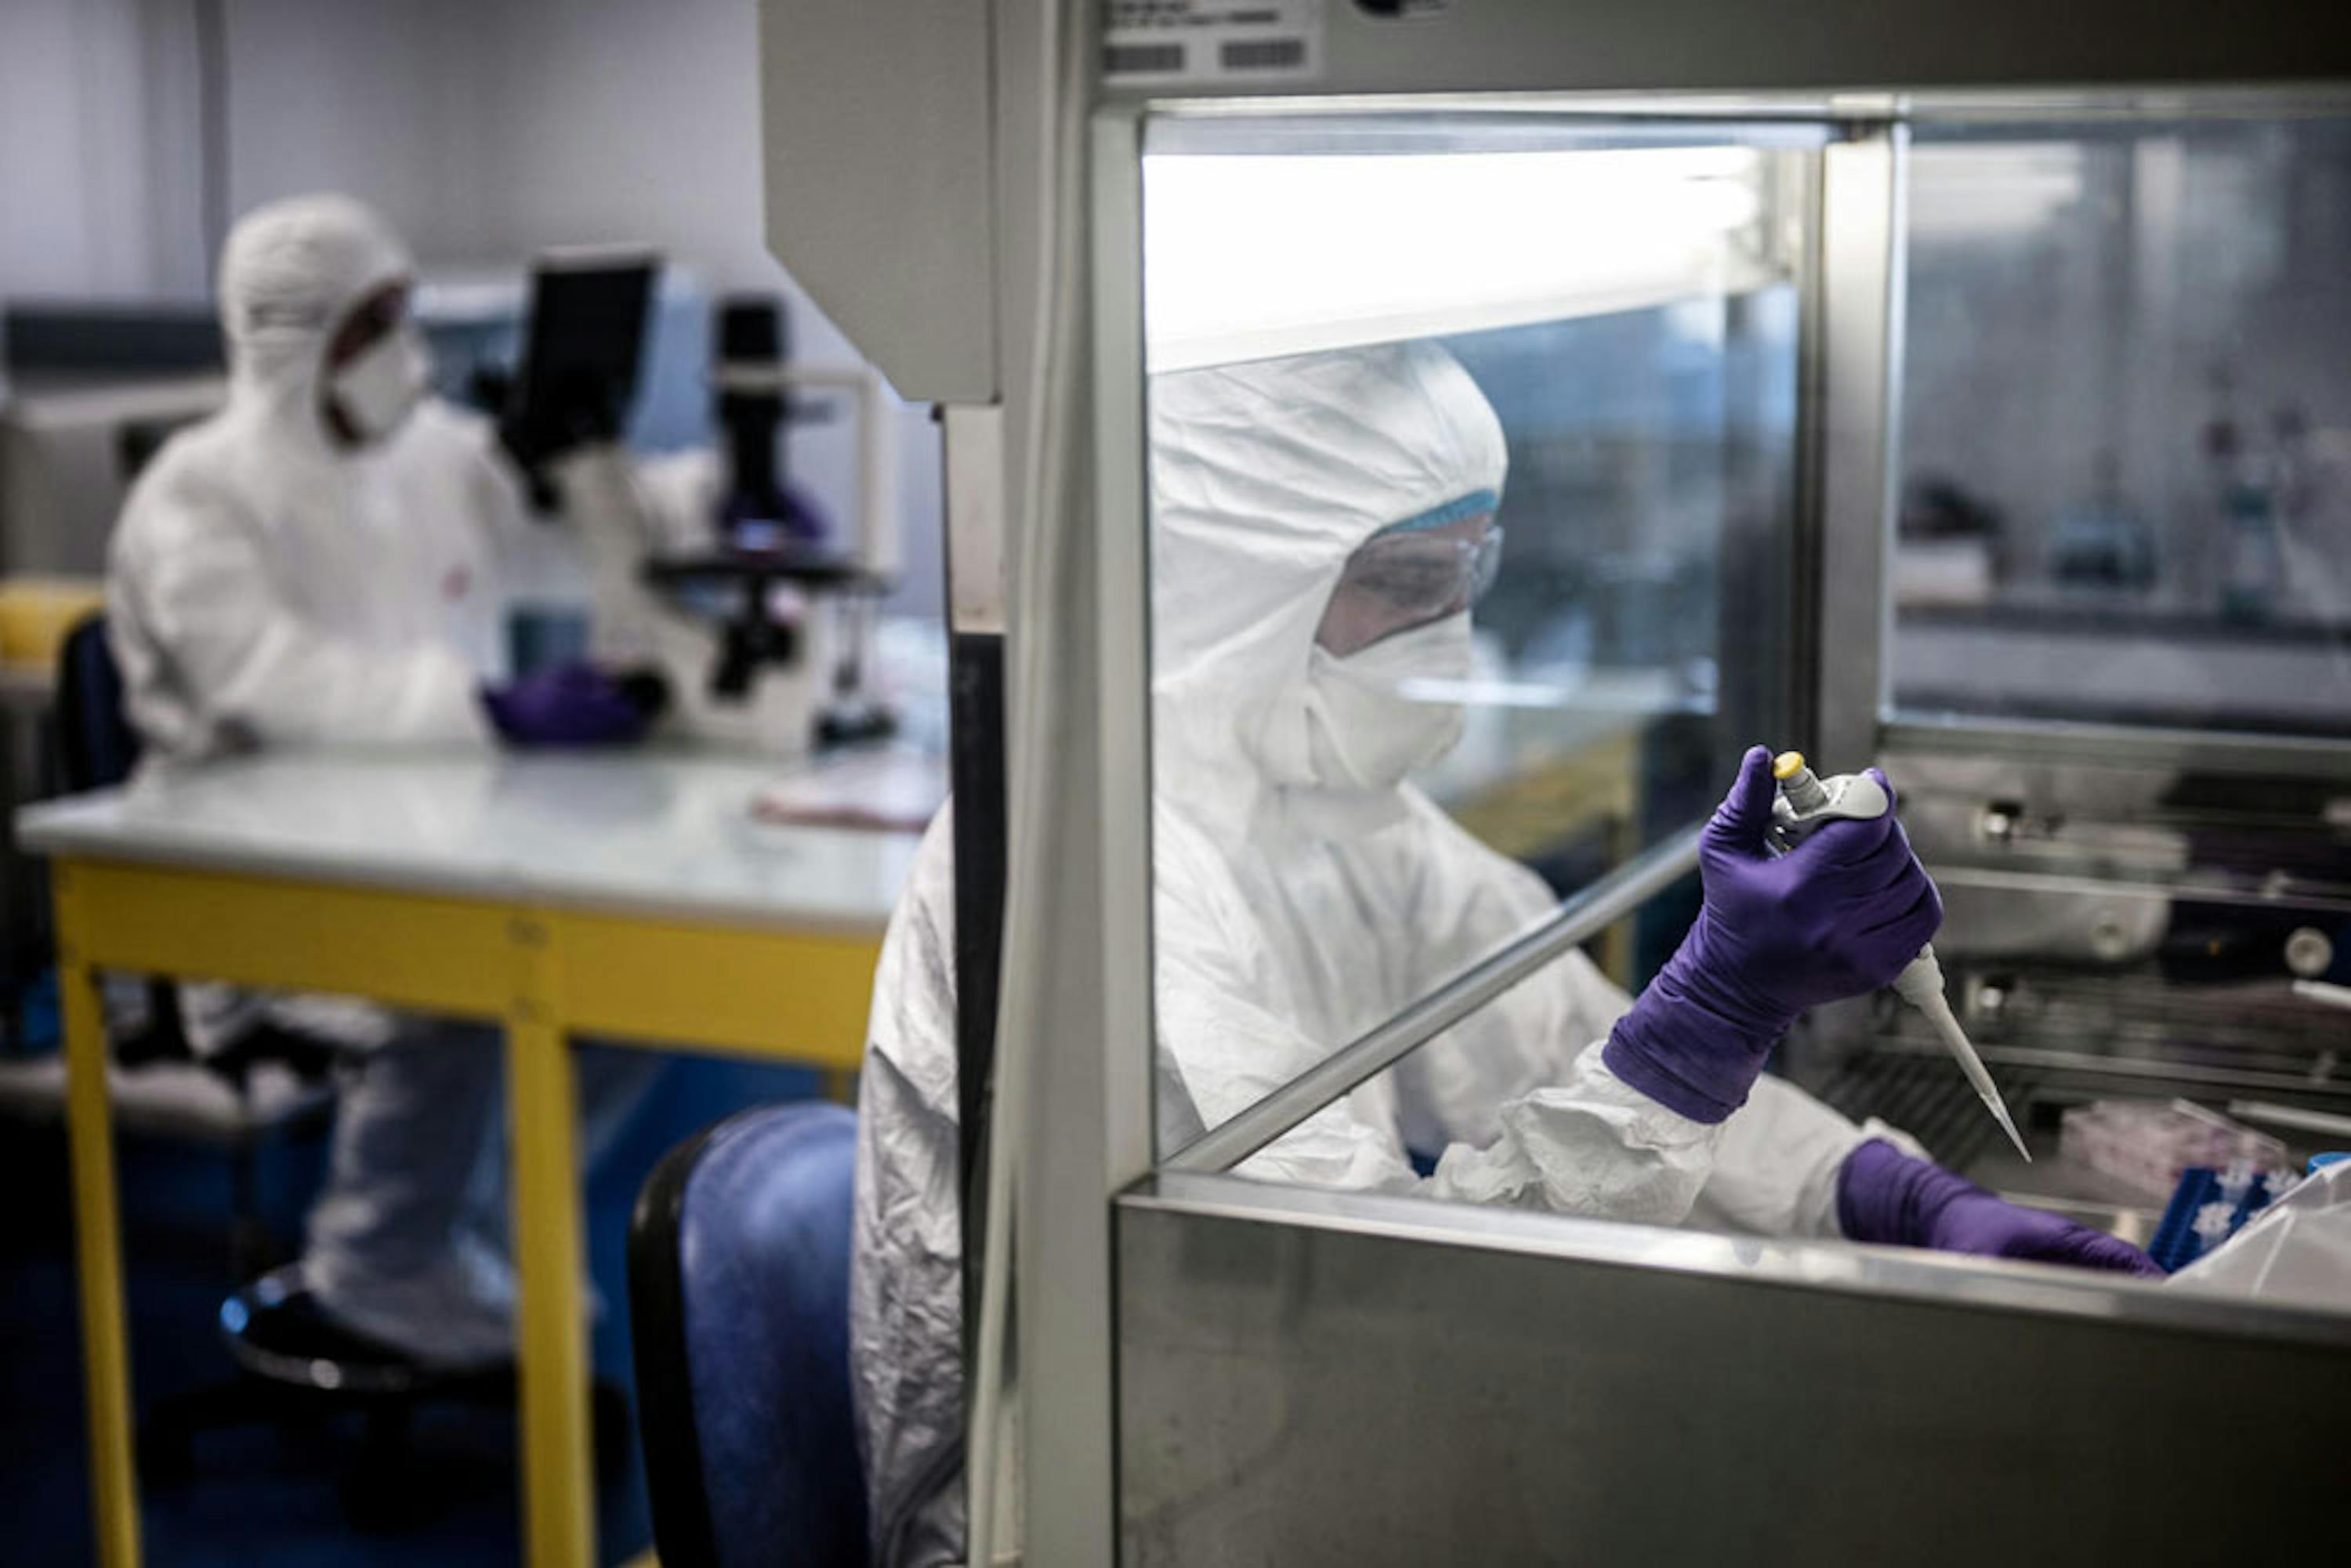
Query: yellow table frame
<point x="546" y="973"/>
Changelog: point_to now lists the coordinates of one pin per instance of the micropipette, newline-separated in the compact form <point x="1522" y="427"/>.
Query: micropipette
<point x="1806" y="802"/>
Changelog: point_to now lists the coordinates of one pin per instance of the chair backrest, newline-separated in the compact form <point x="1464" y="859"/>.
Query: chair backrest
<point x="95" y="745"/>
<point x="738" y="1299"/>
<point x="96" y="748"/>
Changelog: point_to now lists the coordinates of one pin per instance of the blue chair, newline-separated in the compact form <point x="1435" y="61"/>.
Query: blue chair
<point x="96" y="748"/>
<point x="738" y="1298"/>
<point x="95" y="745"/>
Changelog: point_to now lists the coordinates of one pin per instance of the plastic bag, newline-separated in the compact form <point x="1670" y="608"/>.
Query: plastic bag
<point x="2298" y="1249"/>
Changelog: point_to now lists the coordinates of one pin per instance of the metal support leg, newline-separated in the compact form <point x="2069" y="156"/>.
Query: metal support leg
<point x="542" y="1097"/>
<point x="106" y="1355"/>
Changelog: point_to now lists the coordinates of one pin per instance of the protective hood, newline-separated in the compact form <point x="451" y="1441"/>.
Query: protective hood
<point x="1265" y="477"/>
<point x="290" y="272"/>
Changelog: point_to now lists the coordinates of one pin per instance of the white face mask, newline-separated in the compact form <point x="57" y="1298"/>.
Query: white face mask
<point x="1362" y="731"/>
<point x="377" y="391"/>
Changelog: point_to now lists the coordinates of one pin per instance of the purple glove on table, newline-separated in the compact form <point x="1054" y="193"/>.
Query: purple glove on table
<point x="575" y="705"/>
<point x="1838" y="916"/>
<point x="1884" y="1195"/>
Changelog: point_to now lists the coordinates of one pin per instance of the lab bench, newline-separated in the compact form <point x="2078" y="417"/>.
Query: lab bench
<point x="635" y="898"/>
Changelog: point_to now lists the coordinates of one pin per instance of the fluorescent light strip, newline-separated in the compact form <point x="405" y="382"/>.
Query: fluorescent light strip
<point x="1251" y="256"/>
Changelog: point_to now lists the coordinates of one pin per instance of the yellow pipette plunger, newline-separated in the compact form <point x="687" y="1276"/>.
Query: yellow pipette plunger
<point x="1804" y="802"/>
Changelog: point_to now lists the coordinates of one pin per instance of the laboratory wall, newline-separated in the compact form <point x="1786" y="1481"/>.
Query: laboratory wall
<point x="99" y="150"/>
<point x="133" y="130"/>
<point x="383" y="101"/>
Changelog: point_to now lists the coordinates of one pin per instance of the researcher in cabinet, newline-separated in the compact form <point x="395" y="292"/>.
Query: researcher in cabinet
<point x="1321" y="527"/>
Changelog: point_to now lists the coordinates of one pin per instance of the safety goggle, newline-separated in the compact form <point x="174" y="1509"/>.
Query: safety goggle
<point x="1421" y="576"/>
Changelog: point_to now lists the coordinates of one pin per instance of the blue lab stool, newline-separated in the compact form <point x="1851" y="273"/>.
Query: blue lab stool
<point x="739" y="1299"/>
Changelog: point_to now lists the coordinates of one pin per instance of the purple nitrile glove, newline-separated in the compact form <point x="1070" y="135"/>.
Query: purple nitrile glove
<point x="570" y="705"/>
<point x="1884" y="1196"/>
<point x="1839" y="916"/>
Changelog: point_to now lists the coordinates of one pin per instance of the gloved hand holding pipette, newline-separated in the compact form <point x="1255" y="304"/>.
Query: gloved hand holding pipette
<point x="1806" y="804"/>
<point x="1839" y="916"/>
<point x="1809" y="901"/>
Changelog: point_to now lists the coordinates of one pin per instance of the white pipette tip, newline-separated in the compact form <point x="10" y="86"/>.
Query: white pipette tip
<point x="2000" y="1114"/>
<point x="1921" y="985"/>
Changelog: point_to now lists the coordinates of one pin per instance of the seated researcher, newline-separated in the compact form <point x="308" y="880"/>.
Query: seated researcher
<point x="319" y="564"/>
<point x="1320" y="525"/>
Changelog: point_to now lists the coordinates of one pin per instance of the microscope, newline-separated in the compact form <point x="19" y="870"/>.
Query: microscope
<point x="715" y="569"/>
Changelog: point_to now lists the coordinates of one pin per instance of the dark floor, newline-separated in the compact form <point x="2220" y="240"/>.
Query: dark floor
<point x="273" y="1495"/>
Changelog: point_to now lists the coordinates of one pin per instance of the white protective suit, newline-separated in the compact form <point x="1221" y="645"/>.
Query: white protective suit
<point x="1291" y="915"/>
<point x="267" y="586"/>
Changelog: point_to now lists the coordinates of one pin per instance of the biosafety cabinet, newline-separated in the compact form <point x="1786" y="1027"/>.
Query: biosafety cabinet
<point x="1958" y="387"/>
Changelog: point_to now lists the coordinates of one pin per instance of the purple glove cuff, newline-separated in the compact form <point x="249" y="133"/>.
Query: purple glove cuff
<point x="1694" y="1060"/>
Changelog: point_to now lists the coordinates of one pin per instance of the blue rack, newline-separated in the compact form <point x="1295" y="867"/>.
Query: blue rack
<point x="2176" y="1243"/>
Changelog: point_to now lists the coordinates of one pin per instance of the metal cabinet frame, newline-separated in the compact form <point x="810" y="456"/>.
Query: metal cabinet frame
<point x="910" y="153"/>
<point x="1179" y="1237"/>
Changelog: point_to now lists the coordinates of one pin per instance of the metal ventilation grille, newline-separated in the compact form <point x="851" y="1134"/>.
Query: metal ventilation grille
<point x="1925" y="1097"/>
